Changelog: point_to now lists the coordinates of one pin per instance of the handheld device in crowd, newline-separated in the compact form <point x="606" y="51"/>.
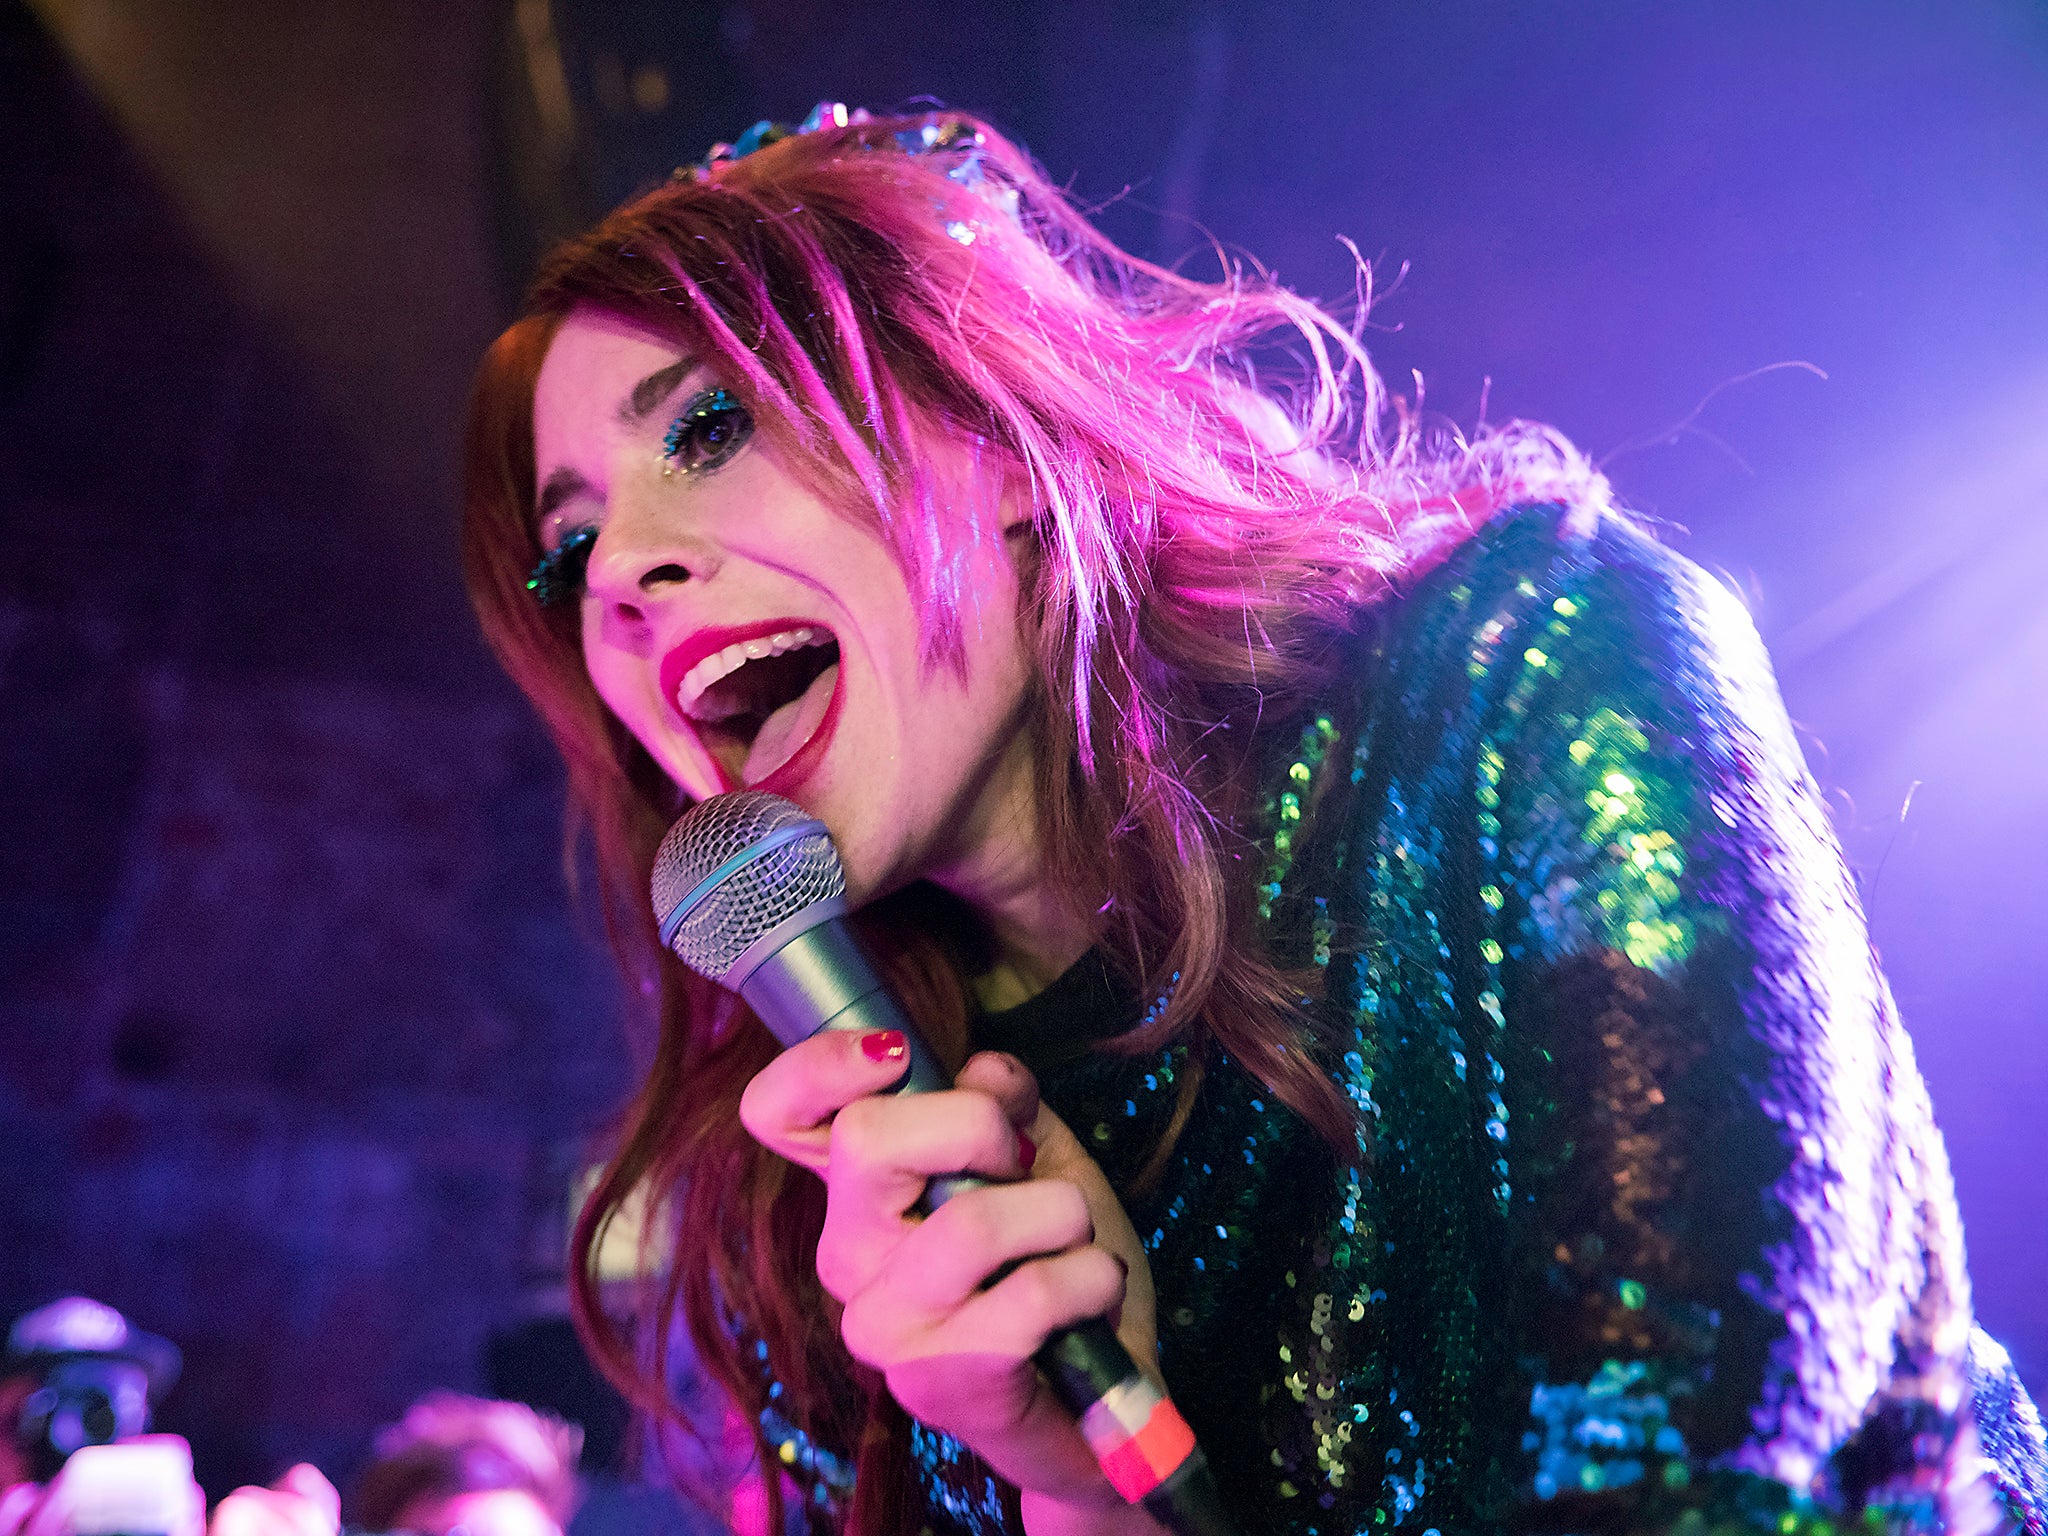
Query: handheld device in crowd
<point x="95" y="1376"/>
<point x="749" y="893"/>
<point x="133" y="1488"/>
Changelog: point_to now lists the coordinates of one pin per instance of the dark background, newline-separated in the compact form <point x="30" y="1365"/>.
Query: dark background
<point x="301" y="1039"/>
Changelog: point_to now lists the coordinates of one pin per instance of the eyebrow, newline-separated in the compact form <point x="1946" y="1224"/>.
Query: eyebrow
<point x="654" y="389"/>
<point x="564" y="485"/>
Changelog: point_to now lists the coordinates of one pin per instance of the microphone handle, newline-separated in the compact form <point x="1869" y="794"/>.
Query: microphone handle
<point x="821" y="978"/>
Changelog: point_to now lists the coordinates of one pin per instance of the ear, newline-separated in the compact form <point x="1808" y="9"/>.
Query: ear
<point x="1023" y="542"/>
<point x="978" y="475"/>
<point x="1017" y="511"/>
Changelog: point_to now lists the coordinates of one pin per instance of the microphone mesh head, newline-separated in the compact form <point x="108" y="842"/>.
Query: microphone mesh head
<point x="751" y="899"/>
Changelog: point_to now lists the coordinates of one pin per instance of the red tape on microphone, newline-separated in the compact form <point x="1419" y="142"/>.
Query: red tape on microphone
<point x="1138" y="1436"/>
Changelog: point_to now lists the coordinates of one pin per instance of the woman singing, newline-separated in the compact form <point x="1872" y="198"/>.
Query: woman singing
<point x="1397" y="963"/>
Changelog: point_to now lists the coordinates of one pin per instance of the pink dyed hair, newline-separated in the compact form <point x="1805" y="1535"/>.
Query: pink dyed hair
<point x="1203" y="552"/>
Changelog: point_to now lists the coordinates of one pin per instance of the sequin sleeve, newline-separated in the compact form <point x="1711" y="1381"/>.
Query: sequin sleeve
<point x="1646" y="1227"/>
<point x="1642" y="1093"/>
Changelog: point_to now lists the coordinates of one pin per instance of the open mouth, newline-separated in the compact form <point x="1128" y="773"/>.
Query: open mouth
<point x="761" y="698"/>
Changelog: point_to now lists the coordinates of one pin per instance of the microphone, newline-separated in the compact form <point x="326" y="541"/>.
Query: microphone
<point x="749" y="893"/>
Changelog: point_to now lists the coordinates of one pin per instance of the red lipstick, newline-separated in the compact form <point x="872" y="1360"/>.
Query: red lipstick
<point x="676" y="665"/>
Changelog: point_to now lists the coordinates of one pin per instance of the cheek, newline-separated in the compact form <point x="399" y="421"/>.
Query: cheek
<point x="978" y="707"/>
<point x="998" y="643"/>
<point x="610" y="677"/>
<point x="622" y="682"/>
<point x="621" y="687"/>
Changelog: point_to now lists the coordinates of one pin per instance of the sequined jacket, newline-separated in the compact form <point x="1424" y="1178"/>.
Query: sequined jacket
<point x="1648" y="1226"/>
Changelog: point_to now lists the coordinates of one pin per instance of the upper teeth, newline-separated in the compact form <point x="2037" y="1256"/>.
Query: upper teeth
<point x="728" y="661"/>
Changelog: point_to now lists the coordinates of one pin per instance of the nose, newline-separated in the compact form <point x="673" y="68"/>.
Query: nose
<point x="644" y="551"/>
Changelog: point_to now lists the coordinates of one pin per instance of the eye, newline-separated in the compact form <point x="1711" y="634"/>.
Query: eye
<point x="709" y="430"/>
<point x="559" y="576"/>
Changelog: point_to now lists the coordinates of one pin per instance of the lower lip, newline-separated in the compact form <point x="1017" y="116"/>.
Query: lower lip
<point x="804" y="761"/>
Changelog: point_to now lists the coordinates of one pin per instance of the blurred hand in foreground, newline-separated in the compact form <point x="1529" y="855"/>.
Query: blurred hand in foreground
<point x="140" y="1484"/>
<point x="300" y="1503"/>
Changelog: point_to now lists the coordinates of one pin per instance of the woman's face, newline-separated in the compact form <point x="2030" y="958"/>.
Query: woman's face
<point x="749" y="636"/>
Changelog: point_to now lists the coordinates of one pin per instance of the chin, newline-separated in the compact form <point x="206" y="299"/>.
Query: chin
<point x="870" y="871"/>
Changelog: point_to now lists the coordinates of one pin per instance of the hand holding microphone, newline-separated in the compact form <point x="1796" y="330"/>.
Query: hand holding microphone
<point x="951" y="1308"/>
<point x="749" y="893"/>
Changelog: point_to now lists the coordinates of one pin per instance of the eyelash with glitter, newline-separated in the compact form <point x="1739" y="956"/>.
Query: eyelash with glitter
<point x="711" y="427"/>
<point x="559" y="576"/>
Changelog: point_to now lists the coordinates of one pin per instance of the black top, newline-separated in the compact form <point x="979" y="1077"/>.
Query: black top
<point x="1087" y="1004"/>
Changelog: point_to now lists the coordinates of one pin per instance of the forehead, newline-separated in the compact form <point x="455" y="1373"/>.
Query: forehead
<point x="591" y="367"/>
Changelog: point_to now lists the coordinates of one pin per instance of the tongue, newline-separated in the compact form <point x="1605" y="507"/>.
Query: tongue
<point x="783" y="732"/>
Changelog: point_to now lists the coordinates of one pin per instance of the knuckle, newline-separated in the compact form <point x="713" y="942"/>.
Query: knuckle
<point x="764" y="1104"/>
<point x="857" y="1131"/>
<point x="1102" y="1276"/>
<point x="783" y="1096"/>
<point x="969" y="1223"/>
<point x="1075" y="1224"/>
<point x="860" y="1331"/>
<point x="1039" y="1291"/>
<point x="752" y="1099"/>
<point x="990" y="1127"/>
<point x="838" y="1270"/>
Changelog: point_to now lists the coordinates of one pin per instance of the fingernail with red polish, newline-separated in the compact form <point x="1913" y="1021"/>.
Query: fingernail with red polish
<point x="1027" y="1151"/>
<point x="884" y="1045"/>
